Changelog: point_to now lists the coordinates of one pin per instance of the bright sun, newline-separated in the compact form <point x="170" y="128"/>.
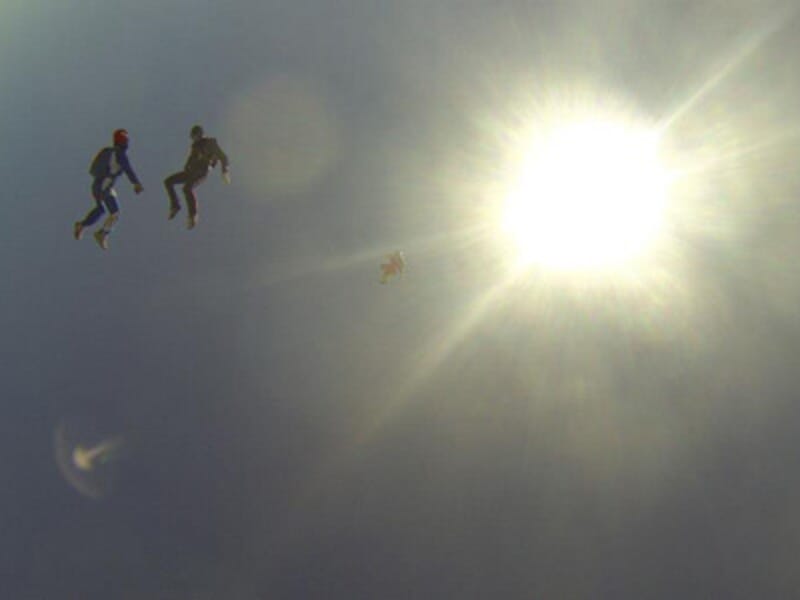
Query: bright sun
<point x="587" y="195"/>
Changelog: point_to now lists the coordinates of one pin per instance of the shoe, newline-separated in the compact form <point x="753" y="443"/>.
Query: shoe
<point x="102" y="238"/>
<point x="191" y="221"/>
<point x="77" y="230"/>
<point x="173" y="210"/>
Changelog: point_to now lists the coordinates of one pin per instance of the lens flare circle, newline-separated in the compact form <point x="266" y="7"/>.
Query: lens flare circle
<point x="286" y="134"/>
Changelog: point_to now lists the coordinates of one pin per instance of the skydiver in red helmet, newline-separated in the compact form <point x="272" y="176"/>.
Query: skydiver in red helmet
<point x="108" y="164"/>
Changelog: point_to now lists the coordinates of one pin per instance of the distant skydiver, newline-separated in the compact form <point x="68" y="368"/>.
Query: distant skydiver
<point x="107" y="165"/>
<point x="203" y="156"/>
<point x="395" y="265"/>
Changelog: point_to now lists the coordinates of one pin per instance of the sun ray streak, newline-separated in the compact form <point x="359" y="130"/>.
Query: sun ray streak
<point x="435" y="354"/>
<point x="282" y="273"/>
<point x="753" y="43"/>
<point x="432" y="357"/>
<point x="745" y="151"/>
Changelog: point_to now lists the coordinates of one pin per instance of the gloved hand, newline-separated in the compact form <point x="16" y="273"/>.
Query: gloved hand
<point x="226" y="176"/>
<point x="137" y="188"/>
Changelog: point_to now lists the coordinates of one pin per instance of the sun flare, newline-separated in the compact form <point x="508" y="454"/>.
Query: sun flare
<point x="587" y="195"/>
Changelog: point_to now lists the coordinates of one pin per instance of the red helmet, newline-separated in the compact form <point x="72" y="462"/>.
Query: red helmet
<point x="121" y="137"/>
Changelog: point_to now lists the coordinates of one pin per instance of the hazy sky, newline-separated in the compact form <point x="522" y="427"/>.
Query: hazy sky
<point x="295" y="429"/>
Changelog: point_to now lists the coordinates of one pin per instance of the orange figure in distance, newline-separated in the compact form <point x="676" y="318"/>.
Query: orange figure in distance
<point x="395" y="265"/>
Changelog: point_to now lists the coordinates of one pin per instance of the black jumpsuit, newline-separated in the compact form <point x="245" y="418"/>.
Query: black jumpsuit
<point x="203" y="157"/>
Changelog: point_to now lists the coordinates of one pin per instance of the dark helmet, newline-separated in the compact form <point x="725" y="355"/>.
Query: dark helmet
<point x="121" y="137"/>
<point x="197" y="132"/>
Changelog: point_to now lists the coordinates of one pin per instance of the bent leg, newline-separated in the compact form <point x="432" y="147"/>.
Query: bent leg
<point x="169" y="183"/>
<point x="94" y="214"/>
<point x="110" y="200"/>
<point x="192" y="182"/>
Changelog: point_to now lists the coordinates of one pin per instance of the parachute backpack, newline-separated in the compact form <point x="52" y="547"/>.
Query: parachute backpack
<point x="99" y="166"/>
<point x="102" y="160"/>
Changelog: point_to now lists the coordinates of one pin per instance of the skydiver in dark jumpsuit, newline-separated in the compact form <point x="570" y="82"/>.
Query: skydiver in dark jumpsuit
<point x="203" y="156"/>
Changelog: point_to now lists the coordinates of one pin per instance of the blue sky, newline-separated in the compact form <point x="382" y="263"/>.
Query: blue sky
<point x="297" y="430"/>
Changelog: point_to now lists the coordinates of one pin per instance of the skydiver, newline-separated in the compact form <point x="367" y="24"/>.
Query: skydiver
<point x="107" y="165"/>
<point x="203" y="156"/>
<point x="395" y="265"/>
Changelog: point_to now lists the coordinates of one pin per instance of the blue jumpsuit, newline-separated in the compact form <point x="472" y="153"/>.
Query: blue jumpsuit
<point x="113" y="162"/>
